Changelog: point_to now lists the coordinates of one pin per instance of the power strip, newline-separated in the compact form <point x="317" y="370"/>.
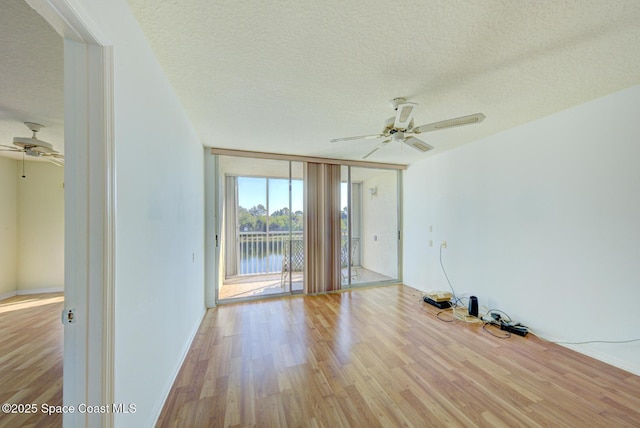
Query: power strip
<point x="520" y="330"/>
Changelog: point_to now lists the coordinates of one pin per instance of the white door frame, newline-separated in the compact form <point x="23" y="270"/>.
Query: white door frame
<point x="89" y="210"/>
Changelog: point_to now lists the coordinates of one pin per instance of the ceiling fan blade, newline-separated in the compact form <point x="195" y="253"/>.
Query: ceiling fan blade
<point x="362" y="137"/>
<point x="450" y="123"/>
<point x="418" y="144"/>
<point x="55" y="161"/>
<point x="12" y="148"/>
<point x="404" y="115"/>
<point x="375" y="149"/>
<point x="55" y="155"/>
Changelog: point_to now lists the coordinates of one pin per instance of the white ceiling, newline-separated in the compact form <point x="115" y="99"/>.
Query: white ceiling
<point x="289" y="75"/>
<point x="31" y="70"/>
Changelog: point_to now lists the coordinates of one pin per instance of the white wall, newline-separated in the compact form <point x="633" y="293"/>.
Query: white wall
<point x="31" y="228"/>
<point x="542" y="222"/>
<point x="159" y="285"/>
<point x="379" y="239"/>
<point x="8" y="227"/>
<point x="40" y="228"/>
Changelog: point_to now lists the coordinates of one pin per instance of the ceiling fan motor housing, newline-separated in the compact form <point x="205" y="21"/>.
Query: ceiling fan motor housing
<point x="398" y="136"/>
<point x="33" y="143"/>
<point x="390" y="128"/>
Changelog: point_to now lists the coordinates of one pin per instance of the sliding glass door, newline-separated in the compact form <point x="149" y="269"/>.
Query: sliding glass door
<point x="291" y="226"/>
<point x="262" y="227"/>
<point x="369" y="226"/>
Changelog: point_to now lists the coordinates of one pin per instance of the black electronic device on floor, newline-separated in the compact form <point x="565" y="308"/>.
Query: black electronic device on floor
<point x="441" y="305"/>
<point x="473" y="306"/>
<point x="514" y="328"/>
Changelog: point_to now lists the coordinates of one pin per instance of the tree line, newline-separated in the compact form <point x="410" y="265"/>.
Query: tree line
<point x="254" y="219"/>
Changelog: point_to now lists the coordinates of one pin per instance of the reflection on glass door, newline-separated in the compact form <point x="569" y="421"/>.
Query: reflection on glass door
<point x="369" y="226"/>
<point x="263" y="228"/>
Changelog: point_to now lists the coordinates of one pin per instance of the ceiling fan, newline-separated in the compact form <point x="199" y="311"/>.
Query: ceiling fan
<point x="34" y="147"/>
<point x="400" y="128"/>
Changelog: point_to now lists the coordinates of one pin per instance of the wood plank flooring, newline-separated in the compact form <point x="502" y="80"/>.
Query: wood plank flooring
<point x="379" y="357"/>
<point x="31" y="347"/>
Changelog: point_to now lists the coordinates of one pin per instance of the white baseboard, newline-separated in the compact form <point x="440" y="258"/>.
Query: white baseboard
<point x="39" y="291"/>
<point x="606" y="358"/>
<point x="7" y="295"/>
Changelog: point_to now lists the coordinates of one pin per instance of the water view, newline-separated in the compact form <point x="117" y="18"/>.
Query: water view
<point x="259" y="265"/>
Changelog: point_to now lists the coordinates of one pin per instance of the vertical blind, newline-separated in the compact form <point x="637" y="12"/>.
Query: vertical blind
<point x="322" y="226"/>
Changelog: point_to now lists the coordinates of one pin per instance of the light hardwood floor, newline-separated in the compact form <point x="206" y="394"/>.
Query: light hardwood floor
<point x="31" y="347"/>
<point x="379" y="357"/>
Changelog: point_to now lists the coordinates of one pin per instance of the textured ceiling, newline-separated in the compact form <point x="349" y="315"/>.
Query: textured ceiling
<point x="287" y="76"/>
<point x="31" y="70"/>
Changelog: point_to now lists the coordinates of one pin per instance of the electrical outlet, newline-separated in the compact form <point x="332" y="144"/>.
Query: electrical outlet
<point x="431" y="242"/>
<point x="444" y="244"/>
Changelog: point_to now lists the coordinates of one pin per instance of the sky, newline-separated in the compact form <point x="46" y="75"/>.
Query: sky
<point x="252" y="191"/>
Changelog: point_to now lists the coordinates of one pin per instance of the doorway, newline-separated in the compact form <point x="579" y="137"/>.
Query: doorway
<point x="32" y="212"/>
<point x="88" y="208"/>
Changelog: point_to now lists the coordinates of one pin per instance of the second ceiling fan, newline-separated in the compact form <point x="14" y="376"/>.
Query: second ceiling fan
<point x="34" y="147"/>
<point x="401" y="128"/>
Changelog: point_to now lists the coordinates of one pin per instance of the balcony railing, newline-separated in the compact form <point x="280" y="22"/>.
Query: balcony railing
<point x="263" y="252"/>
